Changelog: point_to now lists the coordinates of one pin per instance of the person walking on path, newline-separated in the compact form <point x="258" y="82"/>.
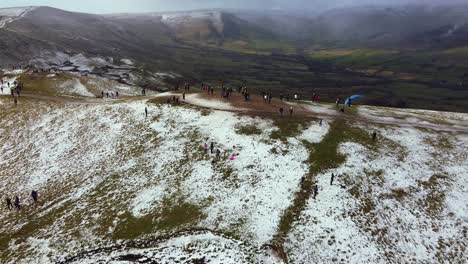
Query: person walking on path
<point x="291" y="110"/>
<point x="315" y="191"/>
<point x="146" y="111"/>
<point x="320" y="123"/>
<point x="205" y="148"/>
<point x="281" y="110"/>
<point x="332" y="178"/>
<point x="9" y="204"/>
<point x="374" y="136"/>
<point x="34" y="195"/>
<point x="218" y="154"/>
<point x="212" y="147"/>
<point x="17" y="203"/>
<point x="183" y="96"/>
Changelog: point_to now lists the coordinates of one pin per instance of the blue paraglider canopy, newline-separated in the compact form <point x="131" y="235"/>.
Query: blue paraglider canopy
<point x="352" y="97"/>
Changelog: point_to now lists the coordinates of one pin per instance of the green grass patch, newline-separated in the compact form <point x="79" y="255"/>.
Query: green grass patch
<point x="174" y="214"/>
<point x="248" y="130"/>
<point x="289" y="127"/>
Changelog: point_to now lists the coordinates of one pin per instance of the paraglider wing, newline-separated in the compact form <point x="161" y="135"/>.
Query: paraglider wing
<point x="352" y="97"/>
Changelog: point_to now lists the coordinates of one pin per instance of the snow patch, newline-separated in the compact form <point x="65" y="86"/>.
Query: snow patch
<point x="75" y="87"/>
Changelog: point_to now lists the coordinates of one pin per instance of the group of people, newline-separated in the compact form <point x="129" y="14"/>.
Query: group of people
<point x="315" y="188"/>
<point x="291" y="111"/>
<point x="17" y="204"/>
<point x="15" y="89"/>
<point x="217" y="153"/>
<point x="267" y="97"/>
<point x="110" y="94"/>
<point x="226" y="92"/>
<point x="245" y="92"/>
<point x="208" y="88"/>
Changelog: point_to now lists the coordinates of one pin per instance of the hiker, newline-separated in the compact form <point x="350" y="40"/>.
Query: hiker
<point x="302" y="181"/>
<point x="332" y="178"/>
<point x="338" y="103"/>
<point x="143" y="91"/>
<point x="17" y="203"/>
<point x="281" y="110"/>
<point x="9" y="204"/>
<point x="146" y="111"/>
<point x="102" y="94"/>
<point x="212" y="147"/>
<point x="205" y="148"/>
<point x="34" y="195"/>
<point x="232" y="156"/>
<point x="374" y="136"/>
<point x="291" y="110"/>
<point x="1" y="88"/>
<point x="116" y="94"/>
<point x="349" y="102"/>
<point x="218" y="154"/>
<point x="315" y="190"/>
<point x="183" y="96"/>
<point x="320" y="123"/>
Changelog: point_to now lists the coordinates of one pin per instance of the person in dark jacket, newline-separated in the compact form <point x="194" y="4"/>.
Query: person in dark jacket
<point x="315" y="190"/>
<point x="9" y="204"/>
<point x="332" y="178"/>
<point x="34" y="195"/>
<point x="17" y="203"/>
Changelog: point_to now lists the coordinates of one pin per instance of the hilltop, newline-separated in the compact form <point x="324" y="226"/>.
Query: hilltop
<point x="115" y="185"/>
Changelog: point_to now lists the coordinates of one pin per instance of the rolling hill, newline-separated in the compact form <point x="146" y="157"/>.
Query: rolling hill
<point x="368" y="50"/>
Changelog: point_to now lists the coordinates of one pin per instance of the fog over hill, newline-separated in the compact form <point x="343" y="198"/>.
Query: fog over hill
<point x="276" y="50"/>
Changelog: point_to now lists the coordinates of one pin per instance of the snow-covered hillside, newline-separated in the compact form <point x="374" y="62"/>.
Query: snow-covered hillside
<point x="175" y="19"/>
<point x="115" y="185"/>
<point x="8" y="15"/>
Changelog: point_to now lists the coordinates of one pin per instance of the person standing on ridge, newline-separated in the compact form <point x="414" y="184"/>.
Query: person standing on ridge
<point x="332" y="178"/>
<point x="9" y="204"/>
<point x="212" y="147"/>
<point x="315" y="191"/>
<point x="17" y="203"/>
<point x="146" y="111"/>
<point x="34" y="195"/>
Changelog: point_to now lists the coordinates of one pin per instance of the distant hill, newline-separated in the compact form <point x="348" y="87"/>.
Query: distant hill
<point x="377" y="50"/>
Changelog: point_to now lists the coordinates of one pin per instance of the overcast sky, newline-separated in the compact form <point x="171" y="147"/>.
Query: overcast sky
<point x="118" y="6"/>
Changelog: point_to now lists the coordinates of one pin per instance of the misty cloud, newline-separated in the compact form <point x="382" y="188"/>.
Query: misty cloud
<point x="113" y="6"/>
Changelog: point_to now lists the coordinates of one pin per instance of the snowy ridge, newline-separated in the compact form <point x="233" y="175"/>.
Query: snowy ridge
<point x="179" y="18"/>
<point x="8" y="15"/>
<point x="108" y="175"/>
